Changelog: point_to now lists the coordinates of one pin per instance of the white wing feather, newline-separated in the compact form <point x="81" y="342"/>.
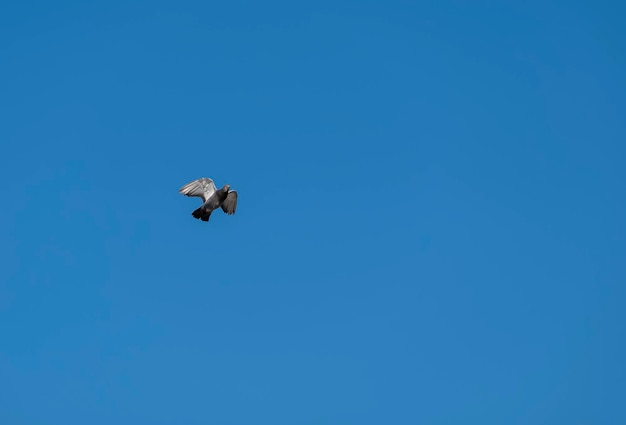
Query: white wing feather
<point x="203" y="188"/>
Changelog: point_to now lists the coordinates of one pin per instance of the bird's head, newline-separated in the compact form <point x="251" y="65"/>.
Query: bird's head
<point x="226" y="188"/>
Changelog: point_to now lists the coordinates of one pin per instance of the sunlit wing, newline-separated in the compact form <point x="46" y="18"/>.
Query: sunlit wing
<point x="203" y="188"/>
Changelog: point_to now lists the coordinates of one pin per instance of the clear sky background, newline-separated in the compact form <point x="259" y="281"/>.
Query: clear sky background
<point x="430" y="226"/>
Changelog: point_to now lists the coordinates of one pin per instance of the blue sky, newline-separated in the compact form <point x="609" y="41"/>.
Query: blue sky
<point x="430" y="226"/>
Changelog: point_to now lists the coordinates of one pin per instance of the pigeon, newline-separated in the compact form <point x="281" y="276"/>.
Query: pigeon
<point x="212" y="198"/>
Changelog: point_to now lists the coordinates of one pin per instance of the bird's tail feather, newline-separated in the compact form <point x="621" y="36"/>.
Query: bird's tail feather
<point x="201" y="214"/>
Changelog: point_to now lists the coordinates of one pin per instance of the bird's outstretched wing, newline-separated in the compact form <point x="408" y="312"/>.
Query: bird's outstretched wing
<point x="202" y="188"/>
<point x="230" y="203"/>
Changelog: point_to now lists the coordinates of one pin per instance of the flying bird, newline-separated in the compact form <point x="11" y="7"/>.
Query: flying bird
<point x="212" y="198"/>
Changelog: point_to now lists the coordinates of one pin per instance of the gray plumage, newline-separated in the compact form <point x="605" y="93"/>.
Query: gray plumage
<point x="212" y="198"/>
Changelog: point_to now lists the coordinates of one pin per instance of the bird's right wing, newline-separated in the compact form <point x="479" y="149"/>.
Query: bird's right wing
<point x="203" y="188"/>
<point x="230" y="203"/>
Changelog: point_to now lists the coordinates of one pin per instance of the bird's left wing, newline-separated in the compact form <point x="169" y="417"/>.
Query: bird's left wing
<point x="203" y="188"/>
<point x="230" y="203"/>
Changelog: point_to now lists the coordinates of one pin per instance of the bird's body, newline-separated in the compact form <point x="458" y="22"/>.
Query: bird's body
<point x="212" y="198"/>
